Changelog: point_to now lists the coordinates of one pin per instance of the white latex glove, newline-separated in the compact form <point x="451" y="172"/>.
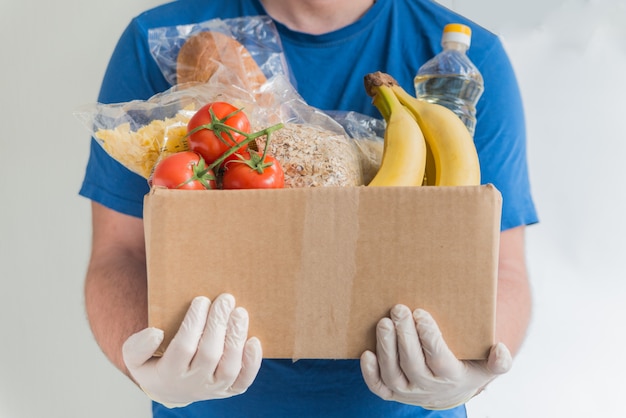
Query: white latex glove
<point x="208" y="358"/>
<point x="413" y="364"/>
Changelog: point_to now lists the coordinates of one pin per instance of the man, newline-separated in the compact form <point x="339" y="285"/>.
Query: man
<point x="213" y="368"/>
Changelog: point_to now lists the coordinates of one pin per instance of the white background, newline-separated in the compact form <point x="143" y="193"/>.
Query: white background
<point x="570" y="57"/>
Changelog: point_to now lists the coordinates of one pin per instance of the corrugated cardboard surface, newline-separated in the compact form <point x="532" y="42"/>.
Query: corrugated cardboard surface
<point x="316" y="268"/>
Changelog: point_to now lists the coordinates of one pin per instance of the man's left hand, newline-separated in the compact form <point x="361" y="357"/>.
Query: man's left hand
<point x="414" y="365"/>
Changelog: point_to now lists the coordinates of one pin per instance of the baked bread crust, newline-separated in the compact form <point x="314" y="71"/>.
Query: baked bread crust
<point x="203" y="53"/>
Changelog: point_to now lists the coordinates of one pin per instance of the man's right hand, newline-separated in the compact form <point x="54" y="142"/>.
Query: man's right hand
<point x="210" y="357"/>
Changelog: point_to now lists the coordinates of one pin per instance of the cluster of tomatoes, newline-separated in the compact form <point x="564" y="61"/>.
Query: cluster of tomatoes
<point x="220" y="155"/>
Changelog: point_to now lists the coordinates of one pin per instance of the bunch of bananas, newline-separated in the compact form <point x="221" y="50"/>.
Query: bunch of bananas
<point x="424" y="143"/>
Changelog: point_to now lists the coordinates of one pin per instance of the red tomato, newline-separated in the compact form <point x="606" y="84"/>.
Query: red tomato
<point x="209" y="130"/>
<point x="249" y="172"/>
<point x="183" y="170"/>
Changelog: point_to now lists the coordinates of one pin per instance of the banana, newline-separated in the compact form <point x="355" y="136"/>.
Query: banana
<point x="404" y="150"/>
<point x="452" y="158"/>
<point x="452" y="146"/>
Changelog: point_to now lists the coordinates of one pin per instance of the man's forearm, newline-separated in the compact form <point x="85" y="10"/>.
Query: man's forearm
<point x="514" y="295"/>
<point x="115" y="300"/>
<point x="115" y="286"/>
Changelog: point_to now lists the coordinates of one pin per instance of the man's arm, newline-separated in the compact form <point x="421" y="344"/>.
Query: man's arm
<point x="414" y="365"/>
<point x="513" y="309"/>
<point x="210" y="357"/>
<point x="115" y="286"/>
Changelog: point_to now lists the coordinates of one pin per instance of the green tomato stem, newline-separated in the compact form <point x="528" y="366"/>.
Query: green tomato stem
<point x="218" y="126"/>
<point x="249" y="138"/>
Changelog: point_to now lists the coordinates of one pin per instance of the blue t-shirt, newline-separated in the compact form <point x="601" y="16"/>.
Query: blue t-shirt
<point x="394" y="36"/>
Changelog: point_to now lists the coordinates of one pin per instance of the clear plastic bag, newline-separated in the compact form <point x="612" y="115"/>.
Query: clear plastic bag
<point x="368" y="133"/>
<point x="257" y="36"/>
<point x="314" y="148"/>
<point x="140" y="132"/>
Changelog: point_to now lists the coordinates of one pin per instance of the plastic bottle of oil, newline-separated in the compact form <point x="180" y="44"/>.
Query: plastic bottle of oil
<point x="450" y="78"/>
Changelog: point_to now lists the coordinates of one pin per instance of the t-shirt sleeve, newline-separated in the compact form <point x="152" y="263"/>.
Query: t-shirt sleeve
<point x="501" y="138"/>
<point x="132" y="74"/>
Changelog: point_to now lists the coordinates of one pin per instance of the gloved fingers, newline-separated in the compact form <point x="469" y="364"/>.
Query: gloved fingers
<point x="182" y="349"/>
<point x="387" y="353"/>
<point x="439" y="358"/>
<point x="235" y="339"/>
<point x="251" y="363"/>
<point x="211" y="346"/>
<point x="140" y="347"/>
<point x="410" y="352"/>
<point x="500" y="359"/>
<point x="371" y="374"/>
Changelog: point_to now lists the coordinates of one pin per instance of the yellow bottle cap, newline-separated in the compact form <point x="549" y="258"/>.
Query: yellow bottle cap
<point x="457" y="32"/>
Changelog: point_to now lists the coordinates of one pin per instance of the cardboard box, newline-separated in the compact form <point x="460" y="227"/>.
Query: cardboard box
<point x="316" y="268"/>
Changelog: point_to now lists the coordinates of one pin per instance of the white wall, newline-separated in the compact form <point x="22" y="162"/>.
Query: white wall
<point x="569" y="56"/>
<point x="54" y="54"/>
